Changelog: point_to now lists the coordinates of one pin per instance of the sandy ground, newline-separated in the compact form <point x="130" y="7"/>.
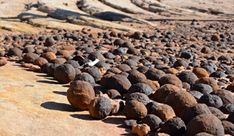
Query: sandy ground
<point x="31" y="104"/>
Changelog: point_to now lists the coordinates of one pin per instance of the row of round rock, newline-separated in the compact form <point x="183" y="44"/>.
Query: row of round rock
<point x="164" y="86"/>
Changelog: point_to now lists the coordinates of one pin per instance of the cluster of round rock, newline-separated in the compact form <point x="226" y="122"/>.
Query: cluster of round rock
<point x="165" y="83"/>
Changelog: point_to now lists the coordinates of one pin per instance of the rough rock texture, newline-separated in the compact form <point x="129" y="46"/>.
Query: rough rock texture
<point x="205" y="123"/>
<point x="80" y="94"/>
<point x="100" y="107"/>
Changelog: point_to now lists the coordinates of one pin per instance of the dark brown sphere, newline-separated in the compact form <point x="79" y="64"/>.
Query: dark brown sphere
<point x="135" y="110"/>
<point x="205" y="123"/>
<point x="80" y="94"/>
<point x="64" y="73"/>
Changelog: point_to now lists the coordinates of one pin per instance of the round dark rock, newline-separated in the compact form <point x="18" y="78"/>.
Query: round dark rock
<point x="163" y="111"/>
<point x="85" y="77"/>
<point x="211" y="100"/>
<point x="96" y="55"/>
<point x="30" y="57"/>
<point x="152" y="121"/>
<point x="136" y="77"/>
<point x="74" y="63"/>
<point x="186" y="55"/>
<point x="100" y="107"/>
<point x="164" y="91"/>
<point x="118" y="82"/>
<point x="203" y="88"/>
<point x="154" y="74"/>
<point x="15" y="52"/>
<point x="227" y="108"/>
<point x="226" y="96"/>
<point x="80" y="94"/>
<point x="219" y="114"/>
<point x="135" y="110"/>
<point x="49" y="41"/>
<point x="191" y="112"/>
<point x="228" y="127"/>
<point x="174" y="126"/>
<point x="113" y="94"/>
<point x="180" y="62"/>
<point x="51" y="69"/>
<point x="94" y="71"/>
<point x="141" y="97"/>
<point x="124" y="67"/>
<point x="187" y="76"/>
<point x="179" y="101"/>
<point x="218" y="74"/>
<point x="205" y="123"/>
<point x="142" y="88"/>
<point x="64" y="73"/>
<point x="170" y="79"/>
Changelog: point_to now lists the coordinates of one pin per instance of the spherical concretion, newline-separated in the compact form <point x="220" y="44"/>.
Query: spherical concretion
<point x="170" y="79"/>
<point x="211" y="100"/>
<point x="226" y="96"/>
<point x="3" y="61"/>
<point x="51" y="68"/>
<point x="187" y="76"/>
<point x="174" y="126"/>
<point x="191" y="112"/>
<point x="208" y="123"/>
<point x="136" y="77"/>
<point x="124" y="67"/>
<point x="200" y="72"/>
<point x="210" y="81"/>
<point x="135" y="110"/>
<point x="85" y="77"/>
<point x="163" y="111"/>
<point x="141" y="97"/>
<point x="64" y="73"/>
<point x="40" y="61"/>
<point x="60" y="61"/>
<point x="141" y="88"/>
<point x="228" y="127"/>
<point x="113" y="94"/>
<point x="203" y="88"/>
<point x="74" y="63"/>
<point x="153" y="84"/>
<point x="94" y="71"/>
<point x="100" y="107"/>
<point x="50" y="56"/>
<point x="227" y="108"/>
<point x="152" y="121"/>
<point x="165" y="90"/>
<point x="179" y="101"/>
<point x="80" y="94"/>
<point x="154" y="74"/>
<point x="118" y="82"/>
<point x="30" y="57"/>
<point x="15" y="52"/>
<point x="219" y="114"/>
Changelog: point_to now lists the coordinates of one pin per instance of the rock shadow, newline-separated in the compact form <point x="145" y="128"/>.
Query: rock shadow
<point x="58" y="106"/>
<point x="60" y="93"/>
